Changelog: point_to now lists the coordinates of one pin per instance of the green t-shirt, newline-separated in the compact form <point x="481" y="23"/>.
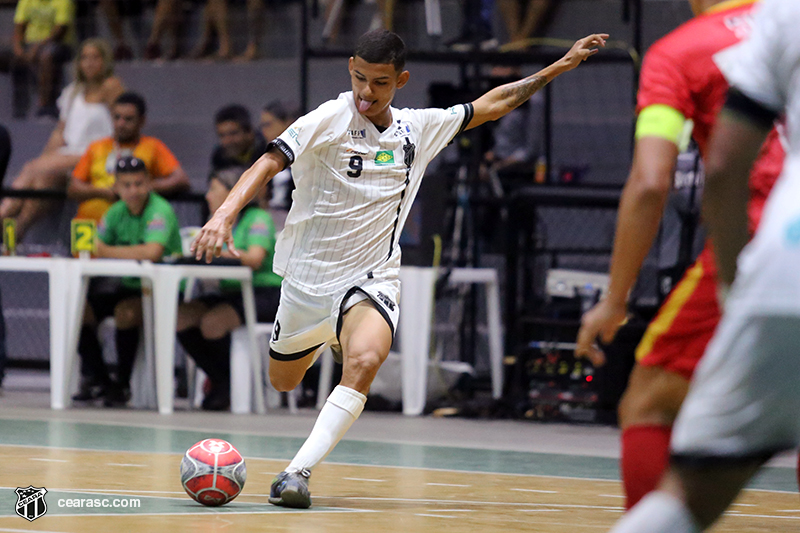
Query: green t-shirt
<point x="255" y="228"/>
<point x="157" y="223"/>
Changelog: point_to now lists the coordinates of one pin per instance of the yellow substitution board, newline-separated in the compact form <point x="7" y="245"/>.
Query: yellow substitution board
<point x="9" y="236"/>
<point x="83" y="236"/>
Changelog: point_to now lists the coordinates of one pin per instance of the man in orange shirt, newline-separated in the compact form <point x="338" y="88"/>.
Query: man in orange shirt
<point x="93" y="177"/>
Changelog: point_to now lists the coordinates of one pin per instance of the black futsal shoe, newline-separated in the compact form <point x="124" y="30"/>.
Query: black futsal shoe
<point x="290" y="489"/>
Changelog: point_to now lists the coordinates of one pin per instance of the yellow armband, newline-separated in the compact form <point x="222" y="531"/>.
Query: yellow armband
<point x="666" y="122"/>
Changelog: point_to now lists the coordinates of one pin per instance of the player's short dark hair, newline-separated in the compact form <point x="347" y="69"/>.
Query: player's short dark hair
<point x="135" y="99"/>
<point x="382" y="46"/>
<point x="129" y="164"/>
<point x="234" y="113"/>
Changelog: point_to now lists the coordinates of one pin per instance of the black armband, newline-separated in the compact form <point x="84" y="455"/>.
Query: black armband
<point x="282" y="148"/>
<point x="740" y="103"/>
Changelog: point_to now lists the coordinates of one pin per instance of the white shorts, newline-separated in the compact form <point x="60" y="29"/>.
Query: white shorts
<point x="744" y="402"/>
<point x="306" y="323"/>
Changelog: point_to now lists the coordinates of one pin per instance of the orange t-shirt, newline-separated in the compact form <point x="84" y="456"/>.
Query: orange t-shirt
<point x="97" y="165"/>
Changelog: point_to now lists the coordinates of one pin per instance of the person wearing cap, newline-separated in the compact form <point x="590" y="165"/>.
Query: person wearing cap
<point x="141" y="225"/>
<point x="93" y="177"/>
<point x="205" y="324"/>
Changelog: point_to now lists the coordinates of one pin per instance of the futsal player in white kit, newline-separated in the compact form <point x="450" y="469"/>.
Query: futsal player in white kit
<point x="357" y="164"/>
<point x="744" y="402"/>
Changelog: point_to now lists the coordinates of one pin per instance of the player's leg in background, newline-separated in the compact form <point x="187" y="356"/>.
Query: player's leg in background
<point x="216" y="326"/>
<point x="95" y="380"/>
<point x="128" y="320"/>
<point x="689" y="499"/>
<point x="646" y="414"/>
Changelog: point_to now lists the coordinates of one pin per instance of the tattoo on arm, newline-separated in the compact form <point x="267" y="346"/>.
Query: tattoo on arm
<point x="521" y="90"/>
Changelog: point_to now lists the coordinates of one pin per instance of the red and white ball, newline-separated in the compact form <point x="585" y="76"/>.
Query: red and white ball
<point x="213" y="472"/>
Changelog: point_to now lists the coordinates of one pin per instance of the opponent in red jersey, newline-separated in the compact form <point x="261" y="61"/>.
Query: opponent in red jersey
<point x="679" y="83"/>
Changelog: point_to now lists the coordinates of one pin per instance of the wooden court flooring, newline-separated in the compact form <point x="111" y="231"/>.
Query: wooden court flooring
<point x="106" y="461"/>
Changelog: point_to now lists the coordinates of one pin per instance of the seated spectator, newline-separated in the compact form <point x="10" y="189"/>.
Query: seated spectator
<point x="114" y="11"/>
<point x="205" y="324"/>
<point x="255" y="29"/>
<point x="275" y="118"/>
<point x="44" y="33"/>
<point x="476" y="27"/>
<point x="518" y="137"/>
<point x="214" y="24"/>
<point x="141" y="225"/>
<point x="239" y="144"/>
<point x="168" y="18"/>
<point x="93" y="178"/>
<point x="524" y="18"/>
<point x="84" y="107"/>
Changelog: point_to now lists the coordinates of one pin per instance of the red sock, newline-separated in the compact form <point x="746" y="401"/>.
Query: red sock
<point x="645" y="455"/>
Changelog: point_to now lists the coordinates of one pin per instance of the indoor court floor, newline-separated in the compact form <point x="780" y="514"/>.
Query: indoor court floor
<point x="390" y="474"/>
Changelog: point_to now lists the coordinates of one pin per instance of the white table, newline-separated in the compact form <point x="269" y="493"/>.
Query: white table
<point x="58" y="288"/>
<point x="79" y="273"/>
<point x="166" y="285"/>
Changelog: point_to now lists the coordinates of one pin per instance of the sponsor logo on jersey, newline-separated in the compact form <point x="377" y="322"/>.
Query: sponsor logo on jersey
<point x="386" y="300"/>
<point x="357" y="134"/>
<point x="384" y="157"/>
<point x="294" y="133"/>
<point x="157" y="224"/>
<point x="259" y="228"/>
<point x="354" y="151"/>
<point x="403" y="130"/>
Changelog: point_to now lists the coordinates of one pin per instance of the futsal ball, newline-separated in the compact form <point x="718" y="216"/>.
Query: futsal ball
<point x="213" y="472"/>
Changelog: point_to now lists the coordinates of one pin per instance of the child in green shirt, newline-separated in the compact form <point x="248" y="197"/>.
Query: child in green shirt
<point x="143" y="226"/>
<point x="205" y="324"/>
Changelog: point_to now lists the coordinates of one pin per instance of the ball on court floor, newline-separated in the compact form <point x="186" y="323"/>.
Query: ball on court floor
<point x="213" y="472"/>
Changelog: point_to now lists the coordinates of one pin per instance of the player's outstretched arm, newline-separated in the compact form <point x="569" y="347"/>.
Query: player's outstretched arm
<point x="640" y="210"/>
<point x="218" y="230"/>
<point x="501" y="100"/>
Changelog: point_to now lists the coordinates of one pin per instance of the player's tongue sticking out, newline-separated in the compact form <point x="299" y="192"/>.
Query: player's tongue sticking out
<point x="363" y="105"/>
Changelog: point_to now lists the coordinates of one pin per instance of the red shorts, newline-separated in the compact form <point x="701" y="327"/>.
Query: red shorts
<point x="676" y="339"/>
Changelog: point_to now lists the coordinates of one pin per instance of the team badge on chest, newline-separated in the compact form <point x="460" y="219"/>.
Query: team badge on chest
<point x="384" y="157"/>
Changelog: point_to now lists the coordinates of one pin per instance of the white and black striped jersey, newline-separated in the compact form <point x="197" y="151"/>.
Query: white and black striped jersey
<point x="354" y="189"/>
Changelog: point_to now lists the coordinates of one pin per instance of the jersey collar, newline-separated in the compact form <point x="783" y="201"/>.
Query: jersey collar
<point x="728" y="4"/>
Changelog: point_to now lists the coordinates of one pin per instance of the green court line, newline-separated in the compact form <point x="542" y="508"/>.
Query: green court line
<point x="103" y="437"/>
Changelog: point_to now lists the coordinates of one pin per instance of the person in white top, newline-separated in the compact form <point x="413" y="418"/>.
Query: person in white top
<point x="742" y="406"/>
<point x="84" y="117"/>
<point x="357" y="166"/>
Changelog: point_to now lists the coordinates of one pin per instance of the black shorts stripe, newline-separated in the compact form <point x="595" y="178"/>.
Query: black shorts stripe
<point x="701" y="461"/>
<point x="292" y="356"/>
<point x="371" y="300"/>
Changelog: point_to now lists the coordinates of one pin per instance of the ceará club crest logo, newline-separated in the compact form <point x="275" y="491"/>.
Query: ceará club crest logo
<point x="30" y="502"/>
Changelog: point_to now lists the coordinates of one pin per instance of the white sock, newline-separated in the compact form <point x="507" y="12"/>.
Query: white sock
<point x="658" y="512"/>
<point x="344" y="405"/>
